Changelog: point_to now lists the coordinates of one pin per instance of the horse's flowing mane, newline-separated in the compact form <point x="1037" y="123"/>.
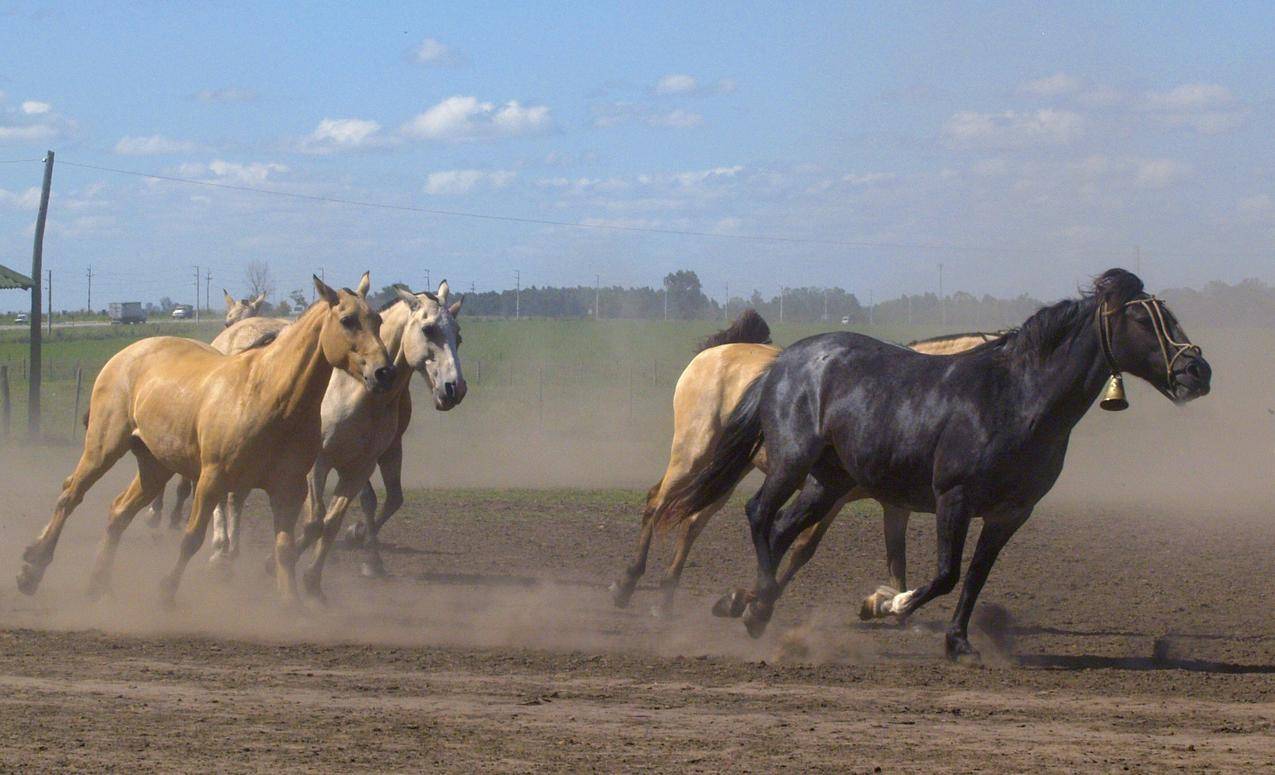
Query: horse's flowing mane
<point x="1050" y="326"/>
<point x="749" y="327"/>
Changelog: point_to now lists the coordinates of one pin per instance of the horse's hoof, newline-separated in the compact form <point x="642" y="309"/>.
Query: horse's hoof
<point x="269" y="566"/>
<point x="152" y="521"/>
<point x="98" y="589"/>
<point x="167" y="595"/>
<point x="222" y="565"/>
<point x="731" y="605"/>
<point x="29" y="579"/>
<point x="621" y="593"/>
<point x="311" y="583"/>
<point x="354" y="535"/>
<point x="661" y="611"/>
<point x="756" y="619"/>
<point x="958" y="649"/>
<point x="874" y="605"/>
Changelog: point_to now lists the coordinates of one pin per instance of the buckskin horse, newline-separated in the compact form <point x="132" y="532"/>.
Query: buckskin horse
<point x="707" y="392"/>
<point x="978" y="434"/>
<point x="231" y="423"/>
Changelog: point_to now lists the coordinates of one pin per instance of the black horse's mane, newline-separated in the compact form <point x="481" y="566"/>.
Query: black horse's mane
<point x="749" y="327"/>
<point x="1049" y="327"/>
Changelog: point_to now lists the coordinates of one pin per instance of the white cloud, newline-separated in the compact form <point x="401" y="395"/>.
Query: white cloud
<point x="1259" y="205"/>
<point x="1207" y="108"/>
<point x="252" y="173"/>
<point x="153" y="145"/>
<point x="20" y="200"/>
<point x="434" y="53"/>
<point x="341" y="134"/>
<point x="456" y="182"/>
<point x="676" y="119"/>
<point x="1055" y="85"/>
<point x="1159" y="173"/>
<point x="1013" y="129"/>
<point x="36" y="108"/>
<point x="23" y="133"/>
<point x="868" y="178"/>
<point x="676" y="84"/>
<point x="463" y="118"/>
<point x="226" y="94"/>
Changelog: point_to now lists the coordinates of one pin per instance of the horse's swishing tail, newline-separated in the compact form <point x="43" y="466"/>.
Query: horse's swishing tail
<point x="748" y="328"/>
<point x="731" y="460"/>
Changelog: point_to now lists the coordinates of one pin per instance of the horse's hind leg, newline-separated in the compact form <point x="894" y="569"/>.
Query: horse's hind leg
<point x="895" y="523"/>
<point x="151" y="478"/>
<point x="822" y="493"/>
<point x="103" y="447"/>
<point x="391" y="464"/>
<point x="695" y="525"/>
<point x="156" y="511"/>
<point x="622" y="588"/>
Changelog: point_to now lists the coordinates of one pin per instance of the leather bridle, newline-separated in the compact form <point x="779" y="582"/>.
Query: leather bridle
<point x="1170" y="349"/>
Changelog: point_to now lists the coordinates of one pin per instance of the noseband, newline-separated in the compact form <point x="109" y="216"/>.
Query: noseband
<point x="1170" y="349"/>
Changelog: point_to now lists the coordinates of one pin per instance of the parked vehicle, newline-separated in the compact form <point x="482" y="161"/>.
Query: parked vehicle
<point x="123" y="312"/>
<point x="21" y="319"/>
<point x="182" y="313"/>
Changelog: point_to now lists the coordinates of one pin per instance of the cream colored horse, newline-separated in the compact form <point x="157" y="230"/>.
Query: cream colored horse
<point x="242" y="309"/>
<point x="231" y="423"/>
<point x="707" y="392"/>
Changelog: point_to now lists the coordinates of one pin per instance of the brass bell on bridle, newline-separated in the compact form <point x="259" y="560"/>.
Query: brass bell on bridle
<point x="1113" y="399"/>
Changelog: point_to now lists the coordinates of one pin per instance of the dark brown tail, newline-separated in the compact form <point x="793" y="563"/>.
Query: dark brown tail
<point x="732" y="457"/>
<point x="749" y="327"/>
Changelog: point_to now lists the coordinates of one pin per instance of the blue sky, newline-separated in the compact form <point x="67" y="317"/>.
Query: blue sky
<point x="1023" y="146"/>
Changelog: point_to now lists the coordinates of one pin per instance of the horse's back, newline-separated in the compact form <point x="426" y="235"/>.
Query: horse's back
<point x="239" y="336"/>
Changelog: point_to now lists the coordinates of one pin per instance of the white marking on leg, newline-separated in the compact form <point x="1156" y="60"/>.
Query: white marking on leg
<point x="220" y="541"/>
<point x="899" y="602"/>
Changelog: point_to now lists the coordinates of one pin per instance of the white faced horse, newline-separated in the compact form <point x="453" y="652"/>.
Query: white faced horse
<point x="242" y="309"/>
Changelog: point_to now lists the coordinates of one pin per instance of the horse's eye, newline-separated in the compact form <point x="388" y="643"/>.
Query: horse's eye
<point x="350" y="321"/>
<point x="428" y="329"/>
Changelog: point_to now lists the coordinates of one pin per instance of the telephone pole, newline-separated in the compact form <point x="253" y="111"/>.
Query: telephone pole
<point x="517" y="294"/>
<point x="88" y="303"/>
<point x="207" y="285"/>
<point x="196" y="294"/>
<point x="50" y="323"/>
<point x="666" y="298"/>
<point x="942" y="300"/>
<point x="597" y="297"/>
<point x="37" y="258"/>
<point x="872" y="308"/>
<point x="781" y="304"/>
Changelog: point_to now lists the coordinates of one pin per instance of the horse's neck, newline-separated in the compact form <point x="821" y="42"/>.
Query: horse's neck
<point x="291" y="373"/>
<point x="1068" y="381"/>
<point x="394" y="320"/>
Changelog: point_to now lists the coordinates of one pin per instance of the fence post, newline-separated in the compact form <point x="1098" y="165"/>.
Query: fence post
<point x="79" y="381"/>
<point x="541" y="384"/>
<point x="4" y="399"/>
<point x="630" y="394"/>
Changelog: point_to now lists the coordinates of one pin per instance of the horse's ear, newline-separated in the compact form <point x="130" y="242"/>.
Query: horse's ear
<point x="365" y="284"/>
<point x="443" y="290"/>
<point x="1115" y="287"/>
<point x="455" y="308"/>
<point x="261" y="298"/>
<point x="410" y="299"/>
<point x="230" y="300"/>
<point x="326" y="293"/>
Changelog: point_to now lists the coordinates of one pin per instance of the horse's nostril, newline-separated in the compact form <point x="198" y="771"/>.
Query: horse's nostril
<point x="385" y="375"/>
<point x="450" y="389"/>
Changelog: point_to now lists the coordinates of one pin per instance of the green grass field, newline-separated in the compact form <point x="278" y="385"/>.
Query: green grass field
<point x="560" y="372"/>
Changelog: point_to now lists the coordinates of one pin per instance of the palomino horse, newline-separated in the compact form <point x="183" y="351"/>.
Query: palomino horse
<point x="242" y="309"/>
<point x="235" y="338"/>
<point x="979" y="434"/>
<point x="231" y="423"/>
<point x="706" y="394"/>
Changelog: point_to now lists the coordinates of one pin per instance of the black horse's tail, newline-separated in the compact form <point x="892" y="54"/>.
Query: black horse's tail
<point x="731" y="458"/>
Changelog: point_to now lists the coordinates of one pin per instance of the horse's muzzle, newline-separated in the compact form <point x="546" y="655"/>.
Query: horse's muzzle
<point x="450" y="394"/>
<point x="1192" y="380"/>
<point x="384" y="379"/>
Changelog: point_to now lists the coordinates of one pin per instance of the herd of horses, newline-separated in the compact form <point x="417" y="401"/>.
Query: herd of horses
<point x="966" y="426"/>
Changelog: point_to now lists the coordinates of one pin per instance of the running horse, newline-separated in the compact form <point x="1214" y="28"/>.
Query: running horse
<point x="706" y="393"/>
<point x="230" y="423"/>
<point x="978" y="434"/>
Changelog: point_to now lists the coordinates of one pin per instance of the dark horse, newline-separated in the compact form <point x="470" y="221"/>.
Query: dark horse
<point x="979" y="434"/>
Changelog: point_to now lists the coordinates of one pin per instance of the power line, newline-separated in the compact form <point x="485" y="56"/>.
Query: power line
<point x="19" y="161"/>
<point x="567" y="224"/>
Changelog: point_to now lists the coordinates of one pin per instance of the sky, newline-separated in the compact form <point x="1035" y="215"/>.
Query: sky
<point x="1026" y="147"/>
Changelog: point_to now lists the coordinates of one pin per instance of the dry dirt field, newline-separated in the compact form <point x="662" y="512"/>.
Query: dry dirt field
<point x="1111" y="641"/>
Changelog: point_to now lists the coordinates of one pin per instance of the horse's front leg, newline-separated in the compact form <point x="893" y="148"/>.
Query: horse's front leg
<point x="286" y="499"/>
<point x="346" y="488"/>
<point x="996" y="533"/>
<point x="952" y="520"/>
<point x="391" y="464"/>
<point x="894" y="520"/>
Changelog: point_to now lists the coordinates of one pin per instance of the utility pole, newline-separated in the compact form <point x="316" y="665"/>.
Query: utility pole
<point x="50" y="322"/>
<point x="942" y="299"/>
<point x="517" y="295"/>
<point x="726" y="306"/>
<point x="597" y="297"/>
<point x="88" y="303"/>
<point x="909" y="309"/>
<point x="825" y="305"/>
<point x="472" y="286"/>
<point x="429" y="286"/>
<point x="872" y="308"/>
<point x="207" y="285"/>
<point x="196" y="294"/>
<point x="37" y="258"/>
<point x="781" y="304"/>
<point x="666" y="298"/>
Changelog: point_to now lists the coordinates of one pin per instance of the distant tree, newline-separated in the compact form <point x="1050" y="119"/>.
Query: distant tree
<point x="298" y="299"/>
<point x="166" y="304"/>
<point x="283" y="308"/>
<point x="259" y="278"/>
<point x="686" y="299"/>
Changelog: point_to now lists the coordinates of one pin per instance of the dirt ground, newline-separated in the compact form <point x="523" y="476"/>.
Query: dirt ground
<point x="1110" y="641"/>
